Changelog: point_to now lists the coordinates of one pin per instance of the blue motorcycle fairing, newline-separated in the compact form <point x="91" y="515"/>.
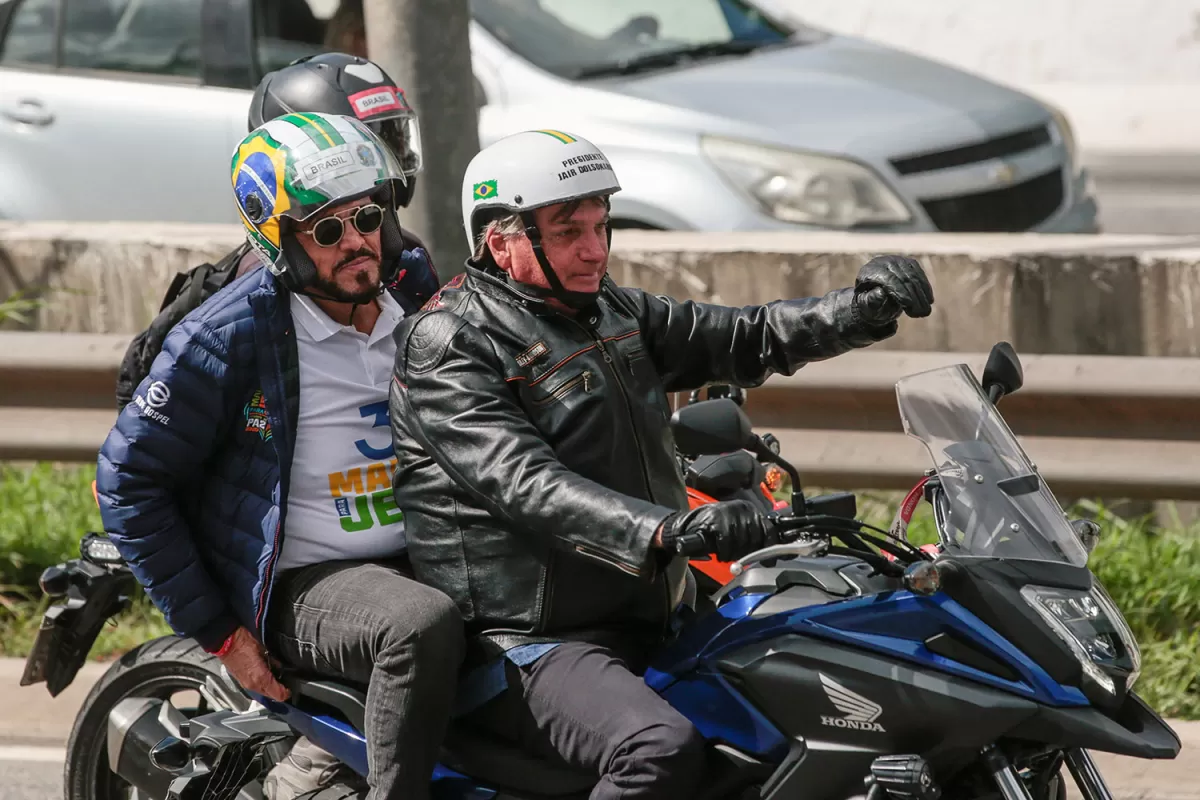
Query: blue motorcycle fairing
<point x="893" y="623"/>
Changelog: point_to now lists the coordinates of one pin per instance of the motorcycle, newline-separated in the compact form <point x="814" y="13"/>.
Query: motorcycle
<point x="839" y="662"/>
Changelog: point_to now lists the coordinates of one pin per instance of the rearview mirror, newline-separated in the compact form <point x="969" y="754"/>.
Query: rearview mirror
<point x="711" y="427"/>
<point x="1003" y="374"/>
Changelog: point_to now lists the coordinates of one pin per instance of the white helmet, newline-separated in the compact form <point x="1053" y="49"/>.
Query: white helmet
<point x="529" y="170"/>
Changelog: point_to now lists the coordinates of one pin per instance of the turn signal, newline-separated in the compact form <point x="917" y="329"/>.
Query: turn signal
<point x="923" y="577"/>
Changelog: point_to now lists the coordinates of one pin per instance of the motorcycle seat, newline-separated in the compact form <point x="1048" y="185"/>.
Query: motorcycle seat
<point x="469" y="750"/>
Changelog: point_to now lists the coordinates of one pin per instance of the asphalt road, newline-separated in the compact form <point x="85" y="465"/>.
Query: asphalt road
<point x="30" y="773"/>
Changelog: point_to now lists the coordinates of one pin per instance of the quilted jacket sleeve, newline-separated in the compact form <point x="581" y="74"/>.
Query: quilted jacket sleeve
<point x="153" y="455"/>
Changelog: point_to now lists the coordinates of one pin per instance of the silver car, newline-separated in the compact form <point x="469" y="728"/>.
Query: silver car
<point x="716" y="115"/>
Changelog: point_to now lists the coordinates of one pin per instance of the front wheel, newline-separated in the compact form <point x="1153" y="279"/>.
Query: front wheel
<point x="171" y="669"/>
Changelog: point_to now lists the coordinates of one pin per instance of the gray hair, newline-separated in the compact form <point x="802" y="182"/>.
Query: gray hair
<point x="510" y="225"/>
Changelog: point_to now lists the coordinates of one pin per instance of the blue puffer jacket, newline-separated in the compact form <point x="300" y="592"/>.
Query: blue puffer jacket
<point x="193" y="478"/>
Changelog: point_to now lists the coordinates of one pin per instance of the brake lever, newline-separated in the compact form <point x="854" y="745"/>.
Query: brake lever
<point x="798" y="548"/>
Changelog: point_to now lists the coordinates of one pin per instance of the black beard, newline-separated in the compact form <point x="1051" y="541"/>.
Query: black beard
<point x="331" y="289"/>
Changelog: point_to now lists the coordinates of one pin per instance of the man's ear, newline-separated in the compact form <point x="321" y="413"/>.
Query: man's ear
<point x="498" y="244"/>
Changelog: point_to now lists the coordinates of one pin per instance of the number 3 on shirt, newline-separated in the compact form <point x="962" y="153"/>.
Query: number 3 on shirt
<point x="380" y="411"/>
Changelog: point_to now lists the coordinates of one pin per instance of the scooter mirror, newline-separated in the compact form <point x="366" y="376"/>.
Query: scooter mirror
<point x="712" y="427"/>
<point x="1003" y="374"/>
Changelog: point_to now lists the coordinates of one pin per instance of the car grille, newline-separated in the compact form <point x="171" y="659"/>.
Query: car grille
<point x="1009" y="145"/>
<point x="1013" y="208"/>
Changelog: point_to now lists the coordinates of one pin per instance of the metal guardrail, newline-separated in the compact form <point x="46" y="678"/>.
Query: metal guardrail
<point x="1095" y="425"/>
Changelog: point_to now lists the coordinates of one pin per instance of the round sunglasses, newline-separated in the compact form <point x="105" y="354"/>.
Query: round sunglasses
<point x="329" y="231"/>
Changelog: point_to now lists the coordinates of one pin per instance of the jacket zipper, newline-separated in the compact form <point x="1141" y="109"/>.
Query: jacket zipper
<point x="624" y="392"/>
<point x="666" y="588"/>
<point x="584" y="377"/>
<point x="637" y="440"/>
<point x="268" y="578"/>
<point x="612" y="561"/>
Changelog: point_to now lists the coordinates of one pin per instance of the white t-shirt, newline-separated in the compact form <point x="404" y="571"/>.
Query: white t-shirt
<point x="339" y="503"/>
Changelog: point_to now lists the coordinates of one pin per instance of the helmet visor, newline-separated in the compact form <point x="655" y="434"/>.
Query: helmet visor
<point x="403" y="135"/>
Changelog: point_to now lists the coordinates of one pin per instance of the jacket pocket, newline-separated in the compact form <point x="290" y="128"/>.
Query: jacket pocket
<point x="584" y="380"/>
<point x="607" y="558"/>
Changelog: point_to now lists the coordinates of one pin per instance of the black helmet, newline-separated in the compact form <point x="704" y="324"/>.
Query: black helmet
<point x="337" y="83"/>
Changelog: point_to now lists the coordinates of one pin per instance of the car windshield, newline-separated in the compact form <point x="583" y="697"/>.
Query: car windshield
<point x="995" y="503"/>
<point x="574" y="39"/>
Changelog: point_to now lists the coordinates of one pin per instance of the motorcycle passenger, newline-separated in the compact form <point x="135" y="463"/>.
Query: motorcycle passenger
<point x="333" y="83"/>
<point x="247" y="484"/>
<point x="536" y="468"/>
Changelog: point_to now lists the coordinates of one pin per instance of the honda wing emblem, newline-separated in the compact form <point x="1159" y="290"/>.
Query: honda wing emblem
<point x="858" y="712"/>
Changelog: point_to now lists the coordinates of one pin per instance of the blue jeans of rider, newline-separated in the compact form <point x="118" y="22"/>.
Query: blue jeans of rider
<point x="372" y="624"/>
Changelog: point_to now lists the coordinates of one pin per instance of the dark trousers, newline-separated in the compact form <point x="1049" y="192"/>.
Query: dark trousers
<point x="372" y="623"/>
<point x="583" y="704"/>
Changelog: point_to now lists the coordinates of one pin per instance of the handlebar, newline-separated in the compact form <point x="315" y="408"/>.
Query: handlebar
<point x="798" y="535"/>
<point x="782" y="526"/>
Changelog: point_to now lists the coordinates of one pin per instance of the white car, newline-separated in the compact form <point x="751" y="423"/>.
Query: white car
<point x="715" y="115"/>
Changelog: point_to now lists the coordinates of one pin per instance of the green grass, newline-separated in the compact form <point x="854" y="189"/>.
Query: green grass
<point x="1152" y="574"/>
<point x="19" y="622"/>
<point x="45" y="510"/>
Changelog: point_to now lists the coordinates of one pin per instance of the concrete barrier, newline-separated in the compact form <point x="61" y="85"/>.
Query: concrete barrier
<point x="1106" y="295"/>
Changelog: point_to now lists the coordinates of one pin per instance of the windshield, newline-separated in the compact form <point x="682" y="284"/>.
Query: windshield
<point x="571" y="38"/>
<point x="995" y="504"/>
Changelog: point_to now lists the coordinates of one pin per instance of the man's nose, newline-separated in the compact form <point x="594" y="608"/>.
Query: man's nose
<point x="351" y="239"/>
<point x="595" y="246"/>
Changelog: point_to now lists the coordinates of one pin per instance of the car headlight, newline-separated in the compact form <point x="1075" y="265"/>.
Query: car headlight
<point x="805" y="187"/>
<point x="1092" y="627"/>
<point x="1066" y="135"/>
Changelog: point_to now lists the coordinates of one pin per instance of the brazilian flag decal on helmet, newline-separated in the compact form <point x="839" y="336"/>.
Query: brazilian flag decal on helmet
<point x="296" y="165"/>
<point x="485" y="190"/>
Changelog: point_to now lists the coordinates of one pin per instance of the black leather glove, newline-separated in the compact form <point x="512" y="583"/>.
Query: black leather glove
<point x="728" y="530"/>
<point x="889" y="285"/>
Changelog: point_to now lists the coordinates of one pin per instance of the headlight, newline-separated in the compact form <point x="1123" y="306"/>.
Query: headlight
<point x="1092" y="627"/>
<point x="805" y="187"/>
<point x="1066" y="135"/>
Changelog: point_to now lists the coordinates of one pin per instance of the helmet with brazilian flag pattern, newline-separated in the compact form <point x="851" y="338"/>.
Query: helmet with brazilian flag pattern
<point x="293" y="167"/>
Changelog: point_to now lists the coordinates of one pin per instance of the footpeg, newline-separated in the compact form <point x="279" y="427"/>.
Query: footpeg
<point x="902" y="778"/>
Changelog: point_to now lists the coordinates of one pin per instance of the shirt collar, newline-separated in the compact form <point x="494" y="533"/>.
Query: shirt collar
<point x="318" y="326"/>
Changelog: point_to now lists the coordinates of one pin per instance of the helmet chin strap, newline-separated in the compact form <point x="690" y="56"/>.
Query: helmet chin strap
<point x="573" y="300"/>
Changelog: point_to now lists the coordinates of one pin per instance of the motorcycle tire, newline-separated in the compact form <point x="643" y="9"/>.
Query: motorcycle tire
<point x="159" y="668"/>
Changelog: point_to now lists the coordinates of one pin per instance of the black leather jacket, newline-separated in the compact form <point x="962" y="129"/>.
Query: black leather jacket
<point x="535" y="458"/>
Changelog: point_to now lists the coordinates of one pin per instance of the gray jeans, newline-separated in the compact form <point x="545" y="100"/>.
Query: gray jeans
<point x="371" y="623"/>
<point x="581" y="703"/>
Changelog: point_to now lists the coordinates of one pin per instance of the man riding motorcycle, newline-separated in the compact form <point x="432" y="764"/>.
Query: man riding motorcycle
<point x="247" y="483"/>
<point x="536" y="468"/>
<point x="333" y="83"/>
